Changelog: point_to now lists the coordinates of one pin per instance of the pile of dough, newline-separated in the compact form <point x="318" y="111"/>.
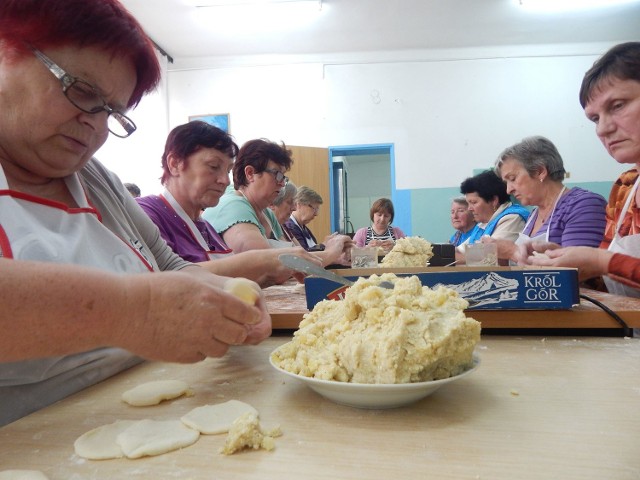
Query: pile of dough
<point x="246" y="432"/>
<point x="378" y="335"/>
<point x="152" y="393"/>
<point x="409" y="252"/>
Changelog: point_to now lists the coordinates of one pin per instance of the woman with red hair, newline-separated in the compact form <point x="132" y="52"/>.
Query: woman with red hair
<point x="79" y="302"/>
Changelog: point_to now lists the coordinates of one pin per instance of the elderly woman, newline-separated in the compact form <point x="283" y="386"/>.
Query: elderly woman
<point x="307" y="205"/>
<point x="243" y="217"/>
<point x="380" y="233"/>
<point x="462" y="220"/>
<point x="283" y="206"/>
<point x="533" y="171"/>
<point x="610" y="97"/>
<point x="79" y="302"/>
<point x="196" y="163"/>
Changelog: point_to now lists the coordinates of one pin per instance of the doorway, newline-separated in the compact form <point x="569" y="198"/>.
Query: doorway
<point x="359" y="175"/>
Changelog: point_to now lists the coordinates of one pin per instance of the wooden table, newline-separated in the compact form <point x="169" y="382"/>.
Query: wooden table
<point x="554" y="408"/>
<point x="287" y="304"/>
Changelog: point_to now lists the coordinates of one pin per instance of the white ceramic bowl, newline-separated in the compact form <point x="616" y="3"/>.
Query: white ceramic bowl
<point x="375" y="395"/>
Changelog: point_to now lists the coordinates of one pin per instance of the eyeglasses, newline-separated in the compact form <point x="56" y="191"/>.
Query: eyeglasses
<point x="315" y="209"/>
<point x="85" y="97"/>
<point x="278" y="175"/>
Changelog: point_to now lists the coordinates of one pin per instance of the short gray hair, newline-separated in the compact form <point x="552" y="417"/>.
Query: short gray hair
<point x="534" y="153"/>
<point x="307" y="196"/>
<point x="287" y="192"/>
<point x="461" y="201"/>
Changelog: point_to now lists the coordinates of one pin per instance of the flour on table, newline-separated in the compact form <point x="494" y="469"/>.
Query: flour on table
<point x="22" y="475"/>
<point x="100" y="443"/>
<point x="154" y="437"/>
<point x="214" y="419"/>
<point x="152" y="393"/>
<point x="246" y="432"/>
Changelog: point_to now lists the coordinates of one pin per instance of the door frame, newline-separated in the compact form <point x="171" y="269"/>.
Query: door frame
<point x="401" y="198"/>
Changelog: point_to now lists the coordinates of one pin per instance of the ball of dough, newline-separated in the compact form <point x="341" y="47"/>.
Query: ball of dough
<point x="244" y="289"/>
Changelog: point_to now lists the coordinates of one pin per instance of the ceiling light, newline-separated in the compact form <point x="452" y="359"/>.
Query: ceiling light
<point x="568" y="5"/>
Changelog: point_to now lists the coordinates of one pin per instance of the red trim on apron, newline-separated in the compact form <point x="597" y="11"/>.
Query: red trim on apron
<point x="5" y="246"/>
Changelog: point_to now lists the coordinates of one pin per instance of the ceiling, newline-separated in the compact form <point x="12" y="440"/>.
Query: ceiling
<point x="187" y="33"/>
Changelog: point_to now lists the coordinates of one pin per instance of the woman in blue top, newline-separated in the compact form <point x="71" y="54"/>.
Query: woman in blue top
<point x="462" y="220"/>
<point x="492" y="209"/>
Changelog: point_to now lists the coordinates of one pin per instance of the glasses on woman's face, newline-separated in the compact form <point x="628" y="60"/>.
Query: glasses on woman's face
<point x="85" y="97"/>
<point x="278" y="175"/>
<point x="315" y="209"/>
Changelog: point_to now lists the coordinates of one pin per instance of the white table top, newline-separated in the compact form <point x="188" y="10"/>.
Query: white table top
<point x="537" y="408"/>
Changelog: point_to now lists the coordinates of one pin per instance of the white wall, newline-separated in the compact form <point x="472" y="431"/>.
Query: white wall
<point x="137" y="158"/>
<point x="446" y="115"/>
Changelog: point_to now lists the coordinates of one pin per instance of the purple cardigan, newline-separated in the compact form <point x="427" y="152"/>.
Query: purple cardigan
<point x="175" y="232"/>
<point x="578" y="220"/>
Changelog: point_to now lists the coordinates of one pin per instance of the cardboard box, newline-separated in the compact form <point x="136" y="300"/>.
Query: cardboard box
<point x="490" y="288"/>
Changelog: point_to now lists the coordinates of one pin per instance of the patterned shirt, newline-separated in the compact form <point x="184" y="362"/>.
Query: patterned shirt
<point x="617" y="199"/>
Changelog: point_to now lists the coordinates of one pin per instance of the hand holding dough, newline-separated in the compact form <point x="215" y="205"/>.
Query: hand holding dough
<point x="244" y="289"/>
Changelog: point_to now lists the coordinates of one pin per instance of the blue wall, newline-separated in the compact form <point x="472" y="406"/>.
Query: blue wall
<point x="430" y="209"/>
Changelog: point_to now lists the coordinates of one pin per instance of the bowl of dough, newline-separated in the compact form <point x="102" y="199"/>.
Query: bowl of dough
<point x="382" y="348"/>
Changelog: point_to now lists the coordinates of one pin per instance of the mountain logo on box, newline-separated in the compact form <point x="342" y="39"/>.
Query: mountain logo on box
<point x="486" y="290"/>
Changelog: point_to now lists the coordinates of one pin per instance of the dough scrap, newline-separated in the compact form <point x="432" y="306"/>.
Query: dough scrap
<point x="214" y="419"/>
<point x="246" y="290"/>
<point x="246" y="432"/>
<point x="154" y="437"/>
<point x="152" y="393"/>
<point x="22" y="475"/>
<point x="100" y="443"/>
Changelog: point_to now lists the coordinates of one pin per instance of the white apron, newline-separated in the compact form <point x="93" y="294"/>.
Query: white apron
<point x="32" y="228"/>
<point x="523" y="238"/>
<point x="193" y="230"/>
<point x="629" y="245"/>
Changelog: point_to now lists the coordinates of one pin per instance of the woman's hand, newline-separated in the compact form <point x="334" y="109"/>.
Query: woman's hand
<point x="590" y="262"/>
<point x="186" y="317"/>
<point x="526" y="250"/>
<point x="507" y="250"/>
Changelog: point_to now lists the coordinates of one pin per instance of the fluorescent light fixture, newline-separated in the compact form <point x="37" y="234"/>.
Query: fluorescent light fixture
<point x="569" y="5"/>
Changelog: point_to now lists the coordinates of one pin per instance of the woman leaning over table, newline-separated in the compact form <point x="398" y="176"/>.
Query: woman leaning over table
<point x="307" y="205"/>
<point x="492" y="209"/>
<point x="533" y="171"/>
<point x="380" y="233"/>
<point x="196" y="162"/>
<point x="79" y="299"/>
<point x="610" y="97"/>
<point x="243" y="218"/>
